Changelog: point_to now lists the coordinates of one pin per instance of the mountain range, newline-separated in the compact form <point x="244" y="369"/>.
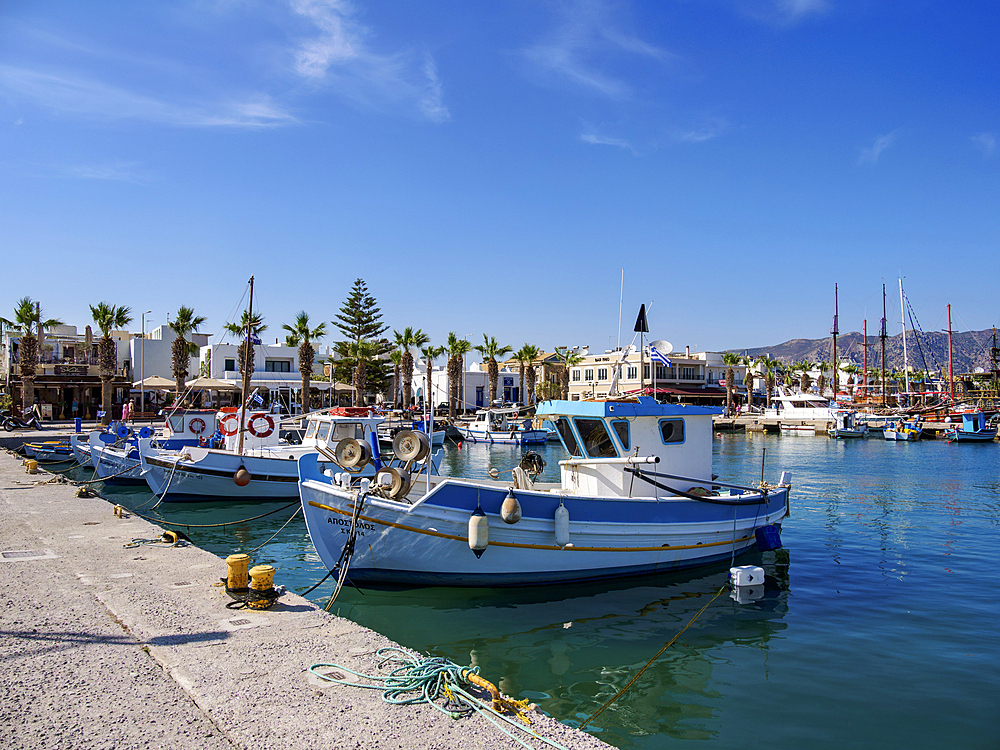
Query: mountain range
<point x="972" y="350"/>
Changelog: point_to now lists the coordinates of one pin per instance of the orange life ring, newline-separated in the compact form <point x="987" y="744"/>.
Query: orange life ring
<point x="262" y="433"/>
<point x="201" y="441"/>
<point x="224" y="427"/>
<point x="197" y="425"/>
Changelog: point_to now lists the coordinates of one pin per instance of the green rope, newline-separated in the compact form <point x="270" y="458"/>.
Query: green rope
<point x="413" y="680"/>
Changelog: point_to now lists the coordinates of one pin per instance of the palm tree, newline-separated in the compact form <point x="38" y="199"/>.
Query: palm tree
<point x="490" y="350"/>
<point x="457" y="348"/>
<point x="430" y="353"/>
<point x="729" y="359"/>
<point x="804" y="380"/>
<point x="528" y="355"/>
<point x="567" y="358"/>
<point x="361" y="353"/>
<point x="184" y="323"/>
<point x="406" y="340"/>
<point x="772" y="369"/>
<point x="29" y="325"/>
<point x="108" y="318"/>
<point x="523" y="359"/>
<point x="821" y="380"/>
<point x="852" y="370"/>
<point x="748" y="363"/>
<point x="301" y="332"/>
<point x="247" y="328"/>
<point x="396" y="357"/>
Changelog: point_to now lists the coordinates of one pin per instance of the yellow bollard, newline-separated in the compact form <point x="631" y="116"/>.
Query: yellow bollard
<point x="31" y="466"/>
<point x="262" y="594"/>
<point x="236" y="581"/>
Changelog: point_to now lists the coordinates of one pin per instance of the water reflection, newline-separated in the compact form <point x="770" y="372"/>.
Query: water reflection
<point x="583" y="642"/>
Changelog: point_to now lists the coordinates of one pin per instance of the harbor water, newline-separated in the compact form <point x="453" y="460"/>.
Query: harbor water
<point x="876" y="628"/>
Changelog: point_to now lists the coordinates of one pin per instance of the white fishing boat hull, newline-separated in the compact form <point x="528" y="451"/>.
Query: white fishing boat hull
<point x="117" y="462"/>
<point x="426" y="543"/>
<point x="798" y="429"/>
<point x="510" y="437"/>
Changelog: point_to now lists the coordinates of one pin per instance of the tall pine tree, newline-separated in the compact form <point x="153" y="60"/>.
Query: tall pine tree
<point x="360" y="319"/>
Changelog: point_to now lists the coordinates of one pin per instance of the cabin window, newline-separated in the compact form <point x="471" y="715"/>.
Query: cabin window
<point x="567" y="437"/>
<point x="620" y="427"/>
<point x="596" y="439"/>
<point x="311" y="430"/>
<point x="343" y="430"/>
<point x="176" y="423"/>
<point x="323" y="431"/>
<point x="672" y="430"/>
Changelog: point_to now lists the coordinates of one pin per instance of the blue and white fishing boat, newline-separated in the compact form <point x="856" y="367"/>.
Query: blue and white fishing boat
<point x="635" y="496"/>
<point x="117" y="459"/>
<point x="974" y="429"/>
<point x="507" y="426"/>
<point x="262" y="467"/>
<point x="902" y="431"/>
<point x="846" y="425"/>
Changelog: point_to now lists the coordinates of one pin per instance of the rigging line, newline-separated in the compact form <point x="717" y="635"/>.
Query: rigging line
<point x="913" y="317"/>
<point x="232" y="314"/>
<point x="982" y="347"/>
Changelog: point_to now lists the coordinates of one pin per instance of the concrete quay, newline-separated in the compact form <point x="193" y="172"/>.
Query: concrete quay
<point x="105" y="646"/>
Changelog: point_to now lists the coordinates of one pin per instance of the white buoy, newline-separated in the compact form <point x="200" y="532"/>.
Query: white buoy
<point x="510" y="511"/>
<point x="562" y="525"/>
<point x="479" y="532"/>
<point x="786" y="479"/>
<point x="746" y="575"/>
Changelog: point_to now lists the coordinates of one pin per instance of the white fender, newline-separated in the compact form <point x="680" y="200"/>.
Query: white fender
<point x="562" y="525"/>
<point x="479" y="532"/>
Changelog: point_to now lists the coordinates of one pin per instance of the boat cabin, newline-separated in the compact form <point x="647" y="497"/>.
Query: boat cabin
<point x="328" y="428"/>
<point x="791" y="405"/>
<point x="610" y="442"/>
<point x="188" y="425"/>
<point x="500" y="420"/>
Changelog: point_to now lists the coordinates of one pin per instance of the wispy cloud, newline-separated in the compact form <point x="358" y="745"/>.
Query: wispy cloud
<point x="117" y="172"/>
<point x="579" y="50"/>
<point x="82" y="96"/>
<point x="870" y="154"/>
<point x="706" y="131"/>
<point x="783" y="12"/>
<point x="602" y="140"/>
<point x="987" y="142"/>
<point x="340" y="56"/>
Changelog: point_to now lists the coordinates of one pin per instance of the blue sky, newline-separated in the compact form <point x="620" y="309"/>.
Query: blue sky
<point x="495" y="167"/>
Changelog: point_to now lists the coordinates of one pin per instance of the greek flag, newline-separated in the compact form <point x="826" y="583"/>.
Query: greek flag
<point x="655" y="354"/>
<point x="254" y="339"/>
<point x="256" y="399"/>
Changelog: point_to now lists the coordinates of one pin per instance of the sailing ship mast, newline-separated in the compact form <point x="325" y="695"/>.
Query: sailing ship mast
<point x="835" y="332"/>
<point x="865" y="373"/>
<point x="246" y="370"/>
<point x="902" y="312"/>
<point x="882" y="336"/>
<point x="951" y="361"/>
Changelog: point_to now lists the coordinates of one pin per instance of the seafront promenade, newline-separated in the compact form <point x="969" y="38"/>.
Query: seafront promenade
<point x="113" y="646"/>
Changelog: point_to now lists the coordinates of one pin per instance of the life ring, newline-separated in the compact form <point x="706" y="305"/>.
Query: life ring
<point x="201" y="441"/>
<point x="225" y="428"/>
<point x="197" y="425"/>
<point x="261" y="433"/>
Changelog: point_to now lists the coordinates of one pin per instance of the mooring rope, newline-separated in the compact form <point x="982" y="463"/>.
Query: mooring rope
<point x="426" y="680"/>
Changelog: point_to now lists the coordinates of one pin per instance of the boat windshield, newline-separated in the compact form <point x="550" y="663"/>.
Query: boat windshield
<point x="323" y="432"/>
<point x="596" y="439"/>
<point x="621" y="430"/>
<point x="343" y="430"/>
<point x="566" y="435"/>
<point x="176" y="423"/>
<point x="311" y="429"/>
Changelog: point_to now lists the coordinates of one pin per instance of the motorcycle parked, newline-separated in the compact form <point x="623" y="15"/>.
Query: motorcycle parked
<point x="11" y="422"/>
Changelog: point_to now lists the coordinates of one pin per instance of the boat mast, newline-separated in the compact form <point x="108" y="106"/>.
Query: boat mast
<point x="246" y="370"/>
<point x="865" y="374"/>
<point x="836" y="310"/>
<point x="951" y="361"/>
<point x="902" y="312"/>
<point x="994" y="356"/>
<point x="882" y="336"/>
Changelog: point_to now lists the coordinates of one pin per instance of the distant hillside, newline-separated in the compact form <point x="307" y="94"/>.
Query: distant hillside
<point x="925" y="350"/>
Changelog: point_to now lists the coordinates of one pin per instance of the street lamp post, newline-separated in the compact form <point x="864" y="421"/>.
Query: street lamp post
<point x="142" y="364"/>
